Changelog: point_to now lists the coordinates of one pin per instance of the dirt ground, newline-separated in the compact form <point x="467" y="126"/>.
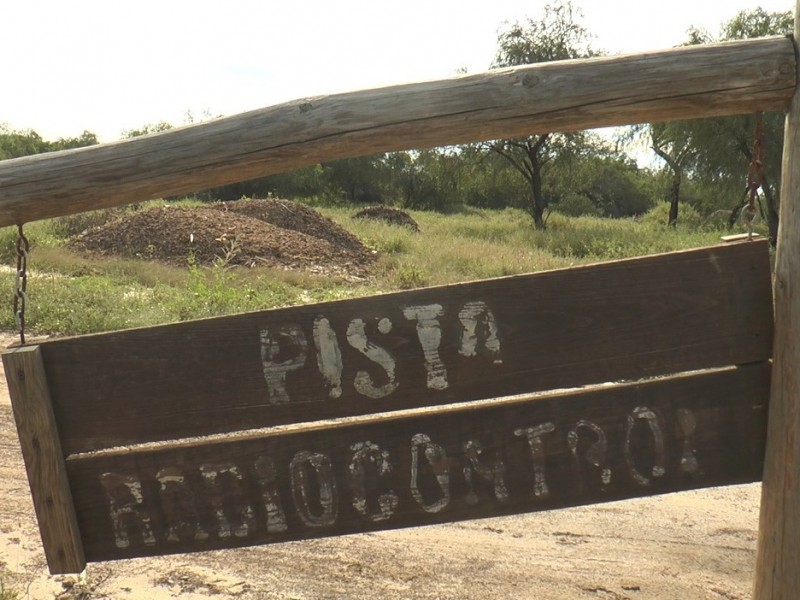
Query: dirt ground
<point x="393" y="216"/>
<point x="692" y="545"/>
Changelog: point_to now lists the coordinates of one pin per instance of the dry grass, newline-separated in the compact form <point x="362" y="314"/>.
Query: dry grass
<point x="78" y="293"/>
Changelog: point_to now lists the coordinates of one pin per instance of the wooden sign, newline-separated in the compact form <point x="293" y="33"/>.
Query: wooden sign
<point x="621" y="320"/>
<point x="129" y="408"/>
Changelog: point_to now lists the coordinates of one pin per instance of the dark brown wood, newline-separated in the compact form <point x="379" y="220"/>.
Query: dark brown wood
<point x="44" y="461"/>
<point x="680" y="83"/>
<point x="447" y="464"/>
<point x="624" y="320"/>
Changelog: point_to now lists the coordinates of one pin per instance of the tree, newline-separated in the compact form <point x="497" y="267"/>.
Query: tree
<point x="718" y="150"/>
<point x="16" y="143"/>
<point x="87" y="138"/>
<point x="426" y="179"/>
<point x="557" y="36"/>
<point x="147" y="129"/>
<point x="605" y="184"/>
<point x="672" y="144"/>
<point x="359" y="180"/>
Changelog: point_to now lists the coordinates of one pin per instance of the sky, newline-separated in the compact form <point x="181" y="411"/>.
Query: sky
<point x="111" y="65"/>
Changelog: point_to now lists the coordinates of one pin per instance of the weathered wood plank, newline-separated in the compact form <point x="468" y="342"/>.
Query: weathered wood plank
<point x="453" y="463"/>
<point x="777" y="574"/>
<point x="44" y="461"/>
<point x="682" y="83"/>
<point x="622" y="320"/>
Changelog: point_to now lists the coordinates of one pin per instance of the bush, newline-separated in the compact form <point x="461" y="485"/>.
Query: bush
<point x="659" y="215"/>
<point x="575" y="205"/>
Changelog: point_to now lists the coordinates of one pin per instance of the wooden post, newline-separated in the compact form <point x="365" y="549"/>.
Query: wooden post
<point x="44" y="460"/>
<point x="778" y="559"/>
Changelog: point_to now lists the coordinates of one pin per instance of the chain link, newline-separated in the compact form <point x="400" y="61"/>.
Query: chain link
<point x="20" y="287"/>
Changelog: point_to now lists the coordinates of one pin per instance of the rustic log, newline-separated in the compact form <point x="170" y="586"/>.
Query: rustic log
<point x="778" y="557"/>
<point x="682" y="83"/>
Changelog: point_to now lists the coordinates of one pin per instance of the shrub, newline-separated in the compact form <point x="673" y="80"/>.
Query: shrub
<point x="659" y="215"/>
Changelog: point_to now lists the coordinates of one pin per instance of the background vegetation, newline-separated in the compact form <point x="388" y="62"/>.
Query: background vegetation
<point x="71" y="294"/>
<point x="495" y="208"/>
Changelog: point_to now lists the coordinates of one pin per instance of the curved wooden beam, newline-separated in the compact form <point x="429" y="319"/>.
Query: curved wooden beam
<point x="682" y="83"/>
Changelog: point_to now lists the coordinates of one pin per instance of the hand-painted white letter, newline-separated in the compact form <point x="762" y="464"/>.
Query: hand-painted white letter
<point x="470" y="315"/>
<point x="437" y="459"/>
<point x="365" y="454"/>
<point x="178" y="506"/>
<point x="357" y="338"/>
<point x="267" y="478"/>
<point x="272" y="342"/>
<point x="595" y="454"/>
<point x="494" y="471"/>
<point x="299" y="468"/>
<point x="429" y="332"/>
<point x="536" y="444"/>
<point x="659" y="467"/>
<point x="125" y="502"/>
<point x="225" y="481"/>
<point x="329" y="357"/>
<point x="687" y="425"/>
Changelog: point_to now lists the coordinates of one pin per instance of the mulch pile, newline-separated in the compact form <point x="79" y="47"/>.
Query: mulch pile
<point x="393" y="216"/>
<point x="271" y="233"/>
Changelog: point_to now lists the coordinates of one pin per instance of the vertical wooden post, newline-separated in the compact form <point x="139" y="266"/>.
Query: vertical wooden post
<point x="778" y="559"/>
<point x="44" y="460"/>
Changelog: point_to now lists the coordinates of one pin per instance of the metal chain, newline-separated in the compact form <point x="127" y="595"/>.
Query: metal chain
<point x="20" y="295"/>
<point x="755" y="175"/>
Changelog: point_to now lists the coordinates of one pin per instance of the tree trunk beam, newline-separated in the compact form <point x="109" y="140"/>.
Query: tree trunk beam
<point x="682" y="83"/>
<point x="777" y="574"/>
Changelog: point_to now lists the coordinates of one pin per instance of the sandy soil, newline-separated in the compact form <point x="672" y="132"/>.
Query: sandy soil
<point x="693" y="545"/>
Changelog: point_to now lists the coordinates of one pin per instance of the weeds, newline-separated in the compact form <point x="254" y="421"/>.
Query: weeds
<point x="11" y="592"/>
<point x="74" y="294"/>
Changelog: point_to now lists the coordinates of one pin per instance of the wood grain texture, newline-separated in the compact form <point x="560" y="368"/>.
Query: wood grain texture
<point x="44" y="461"/>
<point x="449" y="464"/>
<point x="622" y="320"/>
<point x="681" y="83"/>
<point x="778" y="556"/>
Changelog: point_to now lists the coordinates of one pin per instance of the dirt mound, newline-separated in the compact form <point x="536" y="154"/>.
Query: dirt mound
<point x="295" y="216"/>
<point x="393" y="216"/>
<point x="174" y="233"/>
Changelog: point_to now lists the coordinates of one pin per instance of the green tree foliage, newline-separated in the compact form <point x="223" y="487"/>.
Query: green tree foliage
<point x="359" y="180"/>
<point x="87" y="138"/>
<point x="673" y="144"/>
<point x="147" y="129"/>
<point x="14" y="144"/>
<point x="489" y="181"/>
<point x="558" y="35"/>
<point x="17" y="143"/>
<point x="601" y="184"/>
<point x="427" y="179"/>
<point x="718" y="151"/>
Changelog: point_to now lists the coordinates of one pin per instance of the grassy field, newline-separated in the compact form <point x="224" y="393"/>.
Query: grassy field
<point x="70" y="294"/>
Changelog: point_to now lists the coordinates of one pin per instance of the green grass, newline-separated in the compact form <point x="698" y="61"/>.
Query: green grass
<point x="73" y="294"/>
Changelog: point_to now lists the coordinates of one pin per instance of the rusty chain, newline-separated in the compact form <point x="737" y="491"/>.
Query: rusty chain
<point x="20" y="287"/>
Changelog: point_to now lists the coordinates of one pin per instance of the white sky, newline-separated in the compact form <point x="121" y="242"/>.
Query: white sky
<point x="111" y="65"/>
